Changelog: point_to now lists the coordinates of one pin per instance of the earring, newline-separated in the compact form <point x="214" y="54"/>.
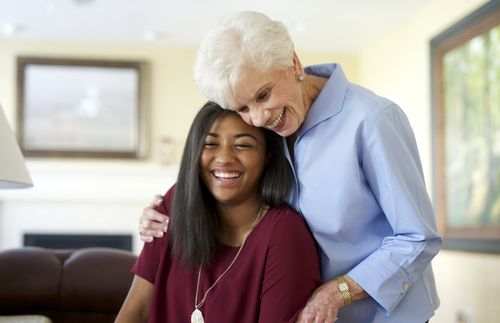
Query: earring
<point x="300" y="77"/>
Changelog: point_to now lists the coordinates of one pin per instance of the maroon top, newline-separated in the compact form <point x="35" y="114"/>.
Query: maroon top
<point x="271" y="281"/>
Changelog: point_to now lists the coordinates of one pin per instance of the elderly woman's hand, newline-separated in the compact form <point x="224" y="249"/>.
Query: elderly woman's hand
<point x="325" y="302"/>
<point x="152" y="223"/>
<point x="323" y="305"/>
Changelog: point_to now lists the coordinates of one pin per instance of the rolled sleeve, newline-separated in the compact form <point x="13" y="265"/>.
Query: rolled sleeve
<point x="392" y="167"/>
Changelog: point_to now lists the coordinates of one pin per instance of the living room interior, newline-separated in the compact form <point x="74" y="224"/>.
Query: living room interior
<point x="104" y="196"/>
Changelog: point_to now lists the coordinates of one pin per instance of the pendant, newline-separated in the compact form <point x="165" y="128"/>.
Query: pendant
<point x="197" y="316"/>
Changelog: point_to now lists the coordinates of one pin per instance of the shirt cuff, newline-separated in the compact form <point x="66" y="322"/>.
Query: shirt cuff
<point x="385" y="282"/>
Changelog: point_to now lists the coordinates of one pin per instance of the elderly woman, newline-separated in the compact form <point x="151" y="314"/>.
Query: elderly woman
<point x="358" y="178"/>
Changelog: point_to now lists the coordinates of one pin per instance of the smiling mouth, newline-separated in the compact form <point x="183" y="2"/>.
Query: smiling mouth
<point x="226" y="175"/>
<point x="277" y="121"/>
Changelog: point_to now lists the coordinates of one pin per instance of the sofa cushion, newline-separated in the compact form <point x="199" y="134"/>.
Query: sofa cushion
<point x="84" y="285"/>
<point x="29" y="276"/>
<point x="87" y="270"/>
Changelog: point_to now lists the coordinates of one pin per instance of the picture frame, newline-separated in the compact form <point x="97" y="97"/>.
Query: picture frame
<point x="465" y="89"/>
<point x="81" y="108"/>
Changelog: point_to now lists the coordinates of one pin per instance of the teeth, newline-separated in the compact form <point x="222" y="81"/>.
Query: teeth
<point x="226" y="175"/>
<point x="276" y="121"/>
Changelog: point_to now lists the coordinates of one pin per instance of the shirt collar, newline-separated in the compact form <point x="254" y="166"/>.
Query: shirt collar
<point x="330" y="100"/>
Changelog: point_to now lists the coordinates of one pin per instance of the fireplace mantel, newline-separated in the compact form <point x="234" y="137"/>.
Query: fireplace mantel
<point x="93" y="181"/>
<point x="82" y="197"/>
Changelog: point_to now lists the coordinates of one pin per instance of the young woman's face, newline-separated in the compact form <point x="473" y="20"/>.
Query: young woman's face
<point x="233" y="160"/>
<point x="271" y="99"/>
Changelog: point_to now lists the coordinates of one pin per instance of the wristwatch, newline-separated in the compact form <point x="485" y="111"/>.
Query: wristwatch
<point x="344" y="290"/>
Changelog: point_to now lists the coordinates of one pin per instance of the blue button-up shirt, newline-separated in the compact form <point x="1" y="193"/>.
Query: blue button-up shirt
<point x="359" y="185"/>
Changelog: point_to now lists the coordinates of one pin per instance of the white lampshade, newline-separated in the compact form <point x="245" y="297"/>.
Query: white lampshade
<point x="13" y="171"/>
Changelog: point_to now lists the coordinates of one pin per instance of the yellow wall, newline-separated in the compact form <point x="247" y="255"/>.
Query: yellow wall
<point x="348" y="61"/>
<point x="398" y="67"/>
<point x="174" y="96"/>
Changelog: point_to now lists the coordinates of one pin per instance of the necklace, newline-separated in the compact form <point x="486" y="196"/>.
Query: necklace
<point x="197" y="315"/>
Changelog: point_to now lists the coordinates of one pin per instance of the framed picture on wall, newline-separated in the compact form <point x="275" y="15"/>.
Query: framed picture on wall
<point x="466" y="125"/>
<point x="81" y="108"/>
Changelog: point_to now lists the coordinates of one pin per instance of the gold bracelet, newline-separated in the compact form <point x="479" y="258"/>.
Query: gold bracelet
<point x="344" y="289"/>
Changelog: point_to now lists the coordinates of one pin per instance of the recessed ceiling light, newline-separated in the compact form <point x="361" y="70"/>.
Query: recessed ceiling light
<point x="153" y="35"/>
<point x="10" y="29"/>
<point x="82" y="2"/>
<point x="50" y="7"/>
<point x="149" y="35"/>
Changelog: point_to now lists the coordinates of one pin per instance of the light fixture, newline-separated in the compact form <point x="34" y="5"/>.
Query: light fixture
<point x="83" y="2"/>
<point x="10" y="29"/>
<point x="150" y="35"/>
<point x="154" y="35"/>
<point x="50" y="7"/>
<point x="13" y="171"/>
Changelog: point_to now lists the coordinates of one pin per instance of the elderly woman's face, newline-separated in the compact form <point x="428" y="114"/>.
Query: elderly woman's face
<point x="271" y="99"/>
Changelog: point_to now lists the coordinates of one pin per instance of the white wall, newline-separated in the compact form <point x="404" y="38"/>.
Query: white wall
<point x="398" y="67"/>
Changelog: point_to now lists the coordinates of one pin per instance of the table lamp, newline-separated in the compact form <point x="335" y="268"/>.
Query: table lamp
<point x="13" y="171"/>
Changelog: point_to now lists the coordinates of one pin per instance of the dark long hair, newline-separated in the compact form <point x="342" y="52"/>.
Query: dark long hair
<point x="194" y="215"/>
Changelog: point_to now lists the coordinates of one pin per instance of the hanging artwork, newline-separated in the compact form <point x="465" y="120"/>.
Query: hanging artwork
<point x="81" y="108"/>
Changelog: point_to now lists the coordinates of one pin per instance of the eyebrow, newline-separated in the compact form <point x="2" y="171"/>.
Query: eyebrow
<point x="238" y="135"/>
<point x="254" y="97"/>
<point x="245" y="135"/>
<point x="261" y="89"/>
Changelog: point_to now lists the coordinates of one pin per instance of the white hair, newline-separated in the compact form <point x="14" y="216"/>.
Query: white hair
<point x="245" y="40"/>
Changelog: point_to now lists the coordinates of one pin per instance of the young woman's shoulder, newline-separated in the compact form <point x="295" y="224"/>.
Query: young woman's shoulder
<point x="292" y="270"/>
<point x="284" y="213"/>
<point x="284" y="219"/>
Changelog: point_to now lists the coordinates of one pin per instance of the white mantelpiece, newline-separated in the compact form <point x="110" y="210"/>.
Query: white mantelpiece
<point x="84" y="197"/>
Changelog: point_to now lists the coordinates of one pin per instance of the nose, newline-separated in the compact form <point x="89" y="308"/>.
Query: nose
<point x="225" y="154"/>
<point x="259" y="116"/>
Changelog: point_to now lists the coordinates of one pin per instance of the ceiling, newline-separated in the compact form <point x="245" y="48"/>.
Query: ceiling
<point x="323" y="25"/>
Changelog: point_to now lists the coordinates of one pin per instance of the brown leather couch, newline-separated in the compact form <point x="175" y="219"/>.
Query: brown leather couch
<point x="84" y="285"/>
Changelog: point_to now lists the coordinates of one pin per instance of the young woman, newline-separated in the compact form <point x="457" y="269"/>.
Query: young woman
<point x="233" y="252"/>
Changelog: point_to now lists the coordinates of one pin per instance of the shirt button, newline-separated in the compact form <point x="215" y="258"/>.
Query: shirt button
<point x="406" y="285"/>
